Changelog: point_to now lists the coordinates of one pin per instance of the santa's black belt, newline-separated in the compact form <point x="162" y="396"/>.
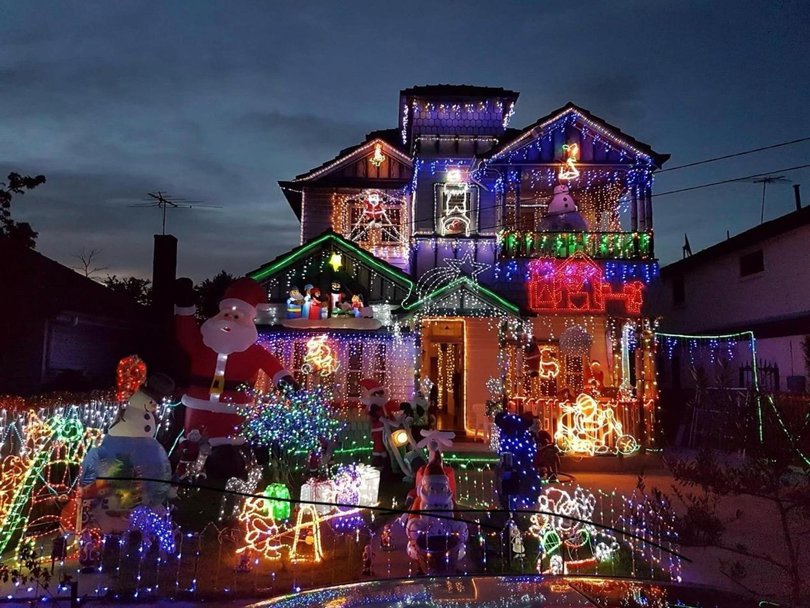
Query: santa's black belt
<point x="205" y="383"/>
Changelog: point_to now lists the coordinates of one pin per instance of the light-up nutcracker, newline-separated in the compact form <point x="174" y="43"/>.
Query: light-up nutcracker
<point x="224" y="359"/>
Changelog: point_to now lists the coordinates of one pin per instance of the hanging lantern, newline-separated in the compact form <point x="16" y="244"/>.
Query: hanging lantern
<point x="281" y="509"/>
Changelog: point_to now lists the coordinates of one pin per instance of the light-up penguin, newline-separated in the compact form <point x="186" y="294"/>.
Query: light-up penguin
<point x="562" y="214"/>
<point x="437" y="544"/>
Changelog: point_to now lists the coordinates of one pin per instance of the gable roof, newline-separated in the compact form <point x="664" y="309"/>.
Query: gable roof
<point x="514" y="139"/>
<point x="448" y="91"/>
<point x="331" y="239"/>
<point x="744" y="240"/>
<point x="345" y="155"/>
<point x="44" y="287"/>
<point x="467" y="284"/>
<point x="391" y="142"/>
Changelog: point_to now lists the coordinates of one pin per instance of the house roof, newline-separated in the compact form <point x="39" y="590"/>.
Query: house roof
<point x="39" y="286"/>
<point x="389" y="137"/>
<point x="448" y="91"/>
<point x="333" y="239"/>
<point x="386" y="136"/>
<point x="744" y="240"/>
<point x="514" y="138"/>
<point x="468" y="284"/>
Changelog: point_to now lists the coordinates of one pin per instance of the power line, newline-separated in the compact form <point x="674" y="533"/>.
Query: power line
<point x="499" y="204"/>
<point x="728" y="181"/>
<point x="716" y="158"/>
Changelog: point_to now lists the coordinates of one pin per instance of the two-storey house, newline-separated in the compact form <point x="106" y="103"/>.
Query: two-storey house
<point x="482" y="262"/>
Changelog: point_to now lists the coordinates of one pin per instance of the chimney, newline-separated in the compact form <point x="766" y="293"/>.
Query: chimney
<point x="164" y="272"/>
<point x="797" y="195"/>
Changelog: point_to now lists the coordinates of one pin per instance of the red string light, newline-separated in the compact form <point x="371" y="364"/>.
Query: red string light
<point x="577" y="284"/>
<point x="129" y="376"/>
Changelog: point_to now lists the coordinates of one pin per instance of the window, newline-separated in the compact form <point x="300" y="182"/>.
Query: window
<point x="678" y="290"/>
<point x="354" y="372"/>
<point x="751" y="263"/>
<point x="372" y="219"/>
<point x="456" y="208"/>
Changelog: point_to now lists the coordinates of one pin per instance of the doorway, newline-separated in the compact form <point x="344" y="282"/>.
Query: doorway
<point x="443" y="362"/>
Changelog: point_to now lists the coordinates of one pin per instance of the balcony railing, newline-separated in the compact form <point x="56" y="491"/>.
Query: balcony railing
<point x="597" y="245"/>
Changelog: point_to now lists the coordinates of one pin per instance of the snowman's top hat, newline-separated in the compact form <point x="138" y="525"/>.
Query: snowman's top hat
<point x="158" y="387"/>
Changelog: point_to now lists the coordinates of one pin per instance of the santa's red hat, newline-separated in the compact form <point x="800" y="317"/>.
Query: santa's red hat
<point x="435" y="468"/>
<point x="243" y="295"/>
<point x="368" y="386"/>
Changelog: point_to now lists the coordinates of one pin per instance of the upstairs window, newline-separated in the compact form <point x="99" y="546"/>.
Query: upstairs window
<point x="678" y="290"/>
<point x="456" y="203"/>
<point x="751" y="263"/>
<point x="373" y="219"/>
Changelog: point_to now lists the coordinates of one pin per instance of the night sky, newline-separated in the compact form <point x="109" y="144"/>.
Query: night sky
<point x="218" y="101"/>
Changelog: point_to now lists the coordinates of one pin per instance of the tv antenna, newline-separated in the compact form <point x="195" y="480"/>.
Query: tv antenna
<point x="768" y="179"/>
<point x="164" y="201"/>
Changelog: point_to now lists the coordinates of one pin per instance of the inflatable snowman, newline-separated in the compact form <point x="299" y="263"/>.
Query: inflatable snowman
<point x="436" y="544"/>
<point x="562" y="214"/>
<point x="129" y="450"/>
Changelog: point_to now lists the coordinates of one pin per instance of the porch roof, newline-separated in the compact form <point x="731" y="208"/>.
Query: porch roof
<point x="469" y="285"/>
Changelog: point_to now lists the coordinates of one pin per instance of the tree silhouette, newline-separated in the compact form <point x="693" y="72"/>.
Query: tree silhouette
<point x="139" y="290"/>
<point x="87" y="263"/>
<point x="19" y="233"/>
<point x="209" y="293"/>
<point x="773" y="470"/>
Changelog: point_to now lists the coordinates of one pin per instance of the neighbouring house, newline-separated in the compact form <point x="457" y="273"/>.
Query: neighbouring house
<point x="758" y="281"/>
<point x="473" y="261"/>
<point x="60" y="330"/>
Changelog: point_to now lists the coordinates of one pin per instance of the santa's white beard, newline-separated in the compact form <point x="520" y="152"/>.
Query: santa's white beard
<point x="226" y="337"/>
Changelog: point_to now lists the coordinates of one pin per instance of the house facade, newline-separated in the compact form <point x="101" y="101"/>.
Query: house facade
<point x="487" y="263"/>
<point x="710" y="293"/>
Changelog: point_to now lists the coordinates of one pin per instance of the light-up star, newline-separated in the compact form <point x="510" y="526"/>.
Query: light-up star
<point x="457" y="265"/>
<point x="335" y="261"/>
<point x="451" y="270"/>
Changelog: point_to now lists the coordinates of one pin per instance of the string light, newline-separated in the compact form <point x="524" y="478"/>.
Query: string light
<point x="129" y="376"/>
<point x="153" y="525"/>
<point x="378" y="158"/>
<point x="261" y="530"/>
<point x="577" y="284"/>
<point x="292" y="420"/>
<point x="320" y="356"/>
<point x="569" y="169"/>
<point x="630" y="246"/>
<point x="590" y="427"/>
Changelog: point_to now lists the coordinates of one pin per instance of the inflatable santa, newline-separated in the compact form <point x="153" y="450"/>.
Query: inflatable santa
<point x="438" y="544"/>
<point x="224" y="359"/>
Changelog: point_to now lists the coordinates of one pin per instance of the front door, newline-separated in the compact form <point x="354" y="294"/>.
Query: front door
<point x="443" y="362"/>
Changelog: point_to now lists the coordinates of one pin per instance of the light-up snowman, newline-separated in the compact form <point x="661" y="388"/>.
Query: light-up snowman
<point x="562" y="214"/>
